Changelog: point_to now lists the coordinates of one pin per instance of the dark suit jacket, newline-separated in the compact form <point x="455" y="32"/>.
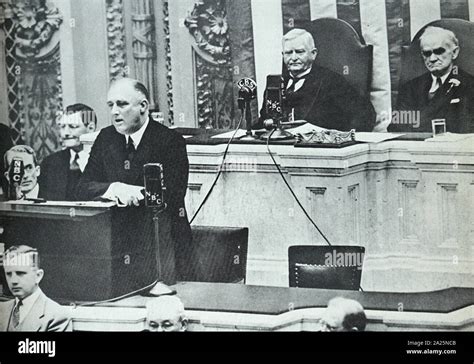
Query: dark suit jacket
<point x="6" y="143"/>
<point x="56" y="178"/>
<point x="45" y="315"/>
<point x="327" y="100"/>
<point x="456" y="106"/>
<point x="158" y="145"/>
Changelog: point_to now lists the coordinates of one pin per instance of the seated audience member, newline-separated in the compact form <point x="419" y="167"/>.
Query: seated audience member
<point x="317" y="94"/>
<point x="6" y="143"/>
<point x="61" y="171"/>
<point x="343" y="314"/>
<point x="29" y="186"/>
<point x="165" y="313"/>
<point x="30" y="310"/>
<point x="444" y="92"/>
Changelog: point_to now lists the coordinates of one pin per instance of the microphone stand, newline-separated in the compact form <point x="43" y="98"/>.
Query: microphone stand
<point x="246" y="113"/>
<point x="277" y="132"/>
<point x="160" y="288"/>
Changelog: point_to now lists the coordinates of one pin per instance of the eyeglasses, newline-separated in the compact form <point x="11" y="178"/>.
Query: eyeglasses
<point x="438" y="51"/>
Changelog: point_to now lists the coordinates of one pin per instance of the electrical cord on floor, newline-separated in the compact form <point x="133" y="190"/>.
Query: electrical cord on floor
<point x="218" y="173"/>
<point x="291" y="190"/>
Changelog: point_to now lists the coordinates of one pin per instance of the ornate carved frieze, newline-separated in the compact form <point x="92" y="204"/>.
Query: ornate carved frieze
<point x="214" y="94"/>
<point x="12" y="69"/>
<point x="116" y="40"/>
<point x="37" y="23"/>
<point x="207" y="23"/>
<point x="33" y="72"/>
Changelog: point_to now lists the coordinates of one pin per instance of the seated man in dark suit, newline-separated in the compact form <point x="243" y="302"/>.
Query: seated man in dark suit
<point x="115" y="171"/>
<point x="6" y="142"/>
<point x="445" y="92"/>
<point x="29" y="186"/>
<point x="31" y="310"/>
<point x="316" y="94"/>
<point x="61" y="171"/>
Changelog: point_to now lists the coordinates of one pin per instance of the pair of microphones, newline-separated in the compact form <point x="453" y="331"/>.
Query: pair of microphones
<point x="274" y="100"/>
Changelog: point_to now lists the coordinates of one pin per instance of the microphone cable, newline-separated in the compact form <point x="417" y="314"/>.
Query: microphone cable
<point x="219" y="171"/>
<point x="291" y="190"/>
<point x="110" y="300"/>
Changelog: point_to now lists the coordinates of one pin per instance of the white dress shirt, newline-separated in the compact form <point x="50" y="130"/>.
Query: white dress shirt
<point x="27" y="303"/>
<point x="434" y="85"/>
<point x="81" y="161"/>
<point x="300" y="80"/>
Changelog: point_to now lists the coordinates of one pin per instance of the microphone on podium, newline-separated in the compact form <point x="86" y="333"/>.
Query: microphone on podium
<point x="15" y="175"/>
<point x="247" y="92"/>
<point x="275" y="109"/>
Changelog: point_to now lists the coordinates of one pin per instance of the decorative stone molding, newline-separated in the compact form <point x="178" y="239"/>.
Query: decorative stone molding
<point x="144" y="46"/>
<point x="207" y="23"/>
<point x="169" y="68"/>
<point x="33" y="72"/>
<point x="37" y="23"/>
<point x="116" y="40"/>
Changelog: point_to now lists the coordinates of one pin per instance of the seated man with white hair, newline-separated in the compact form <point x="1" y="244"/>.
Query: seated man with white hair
<point x="343" y="314"/>
<point x="165" y="313"/>
<point x="444" y="92"/>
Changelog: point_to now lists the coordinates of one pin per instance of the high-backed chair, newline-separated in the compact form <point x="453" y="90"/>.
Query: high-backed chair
<point x="328" y="267"/>
<point x="412" y="64"/>
<point x="342" y="50"/>
<point x="222" y="253"/>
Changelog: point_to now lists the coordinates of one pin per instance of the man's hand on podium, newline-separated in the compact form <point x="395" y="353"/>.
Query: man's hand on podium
<point x="124" y="194"/>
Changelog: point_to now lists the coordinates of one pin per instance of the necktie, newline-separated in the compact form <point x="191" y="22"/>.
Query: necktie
<point x="292" y="87"/>
<point x="15" y="317"/>
<point x="130" y="149"/>
<point x="437" y="87"/>
<point x="74" y="166"/>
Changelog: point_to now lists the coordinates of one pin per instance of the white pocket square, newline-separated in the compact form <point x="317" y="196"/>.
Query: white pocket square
<point x="455" y="101"/>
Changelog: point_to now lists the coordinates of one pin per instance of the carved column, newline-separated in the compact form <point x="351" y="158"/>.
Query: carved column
<point x="143" y="43"/>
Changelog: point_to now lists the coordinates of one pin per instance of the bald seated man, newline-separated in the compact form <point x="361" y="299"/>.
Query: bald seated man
<point x="165" y="314"/>
<point x="343" y="314"/>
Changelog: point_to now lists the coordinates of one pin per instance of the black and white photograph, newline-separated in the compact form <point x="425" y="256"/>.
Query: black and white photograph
<point x="237" y="167"/>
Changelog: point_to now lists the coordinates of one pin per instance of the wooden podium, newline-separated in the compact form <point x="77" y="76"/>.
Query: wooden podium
<point x="90" y="251"/>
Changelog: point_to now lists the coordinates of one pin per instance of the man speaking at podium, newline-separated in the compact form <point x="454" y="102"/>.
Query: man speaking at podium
<point x="115" y="171"/>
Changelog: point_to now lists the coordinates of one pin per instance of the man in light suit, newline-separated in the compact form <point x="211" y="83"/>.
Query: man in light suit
<point x="316" y="94"/>
<point x="31" y="310"/>
<point x="444" y="92"/>
<point x="115" y="172"/>
<point x="61" y="171"/>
